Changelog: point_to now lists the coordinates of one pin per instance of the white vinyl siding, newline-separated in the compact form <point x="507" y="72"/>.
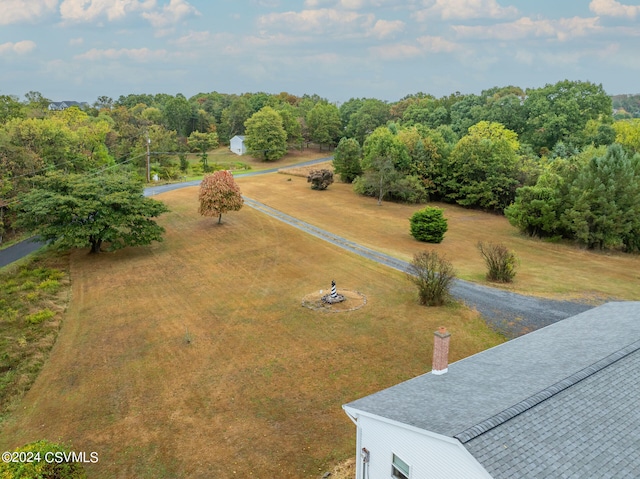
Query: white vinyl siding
<point x="428" y="455"/>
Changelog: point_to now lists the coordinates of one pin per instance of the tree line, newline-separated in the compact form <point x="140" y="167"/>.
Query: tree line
<point x="480" y="151"/>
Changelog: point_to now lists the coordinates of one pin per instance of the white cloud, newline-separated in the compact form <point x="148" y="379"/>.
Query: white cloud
<point x="396" y="51"/>
<point x="90" y="10"/>
<point x="613" y="8"/>
<point x="562" y="29"/>
<point x="424" y="45"/>
<point x="465" y="9"/>
<point x="142" y="55"/>
<point x="194" y="38"/>
<point x="436" y="44"/>
<point x="384" y="28"/>
<point x="76" y="41"/>
<point x="353" y="4"/>
<point x="576" y="56"/>
<point x="176" y="11"/>
<point x="21" y="48"/>
<point x="17" y="11"/>
<point x="316" y="21"/>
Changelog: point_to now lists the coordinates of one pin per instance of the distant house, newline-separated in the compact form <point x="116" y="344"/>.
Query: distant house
<point x="63" y="105"/>
<point x="237" y="145"/>
<point x="562" y="401"/>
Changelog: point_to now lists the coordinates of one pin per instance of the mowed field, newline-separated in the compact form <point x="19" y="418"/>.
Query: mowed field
<point x="194" y="358"/>
<point x="553" y="270"/>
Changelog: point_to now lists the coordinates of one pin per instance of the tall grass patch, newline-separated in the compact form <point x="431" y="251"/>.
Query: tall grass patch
<point x="31" y="303"/>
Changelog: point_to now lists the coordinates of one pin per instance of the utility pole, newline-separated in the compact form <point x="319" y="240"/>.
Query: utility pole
<point x="148" y="160"/>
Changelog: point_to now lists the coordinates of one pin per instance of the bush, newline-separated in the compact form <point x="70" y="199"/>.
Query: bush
<point x="409" y="189"/>
<point x="49" y="285"/>
<point x="428" y="224"/>
<point x="320" y="179"/>
<point x="433" y="276"/>
<point x="43" y="469"/>
<point x="501" y="263"/>
<point x="40" y="316"/>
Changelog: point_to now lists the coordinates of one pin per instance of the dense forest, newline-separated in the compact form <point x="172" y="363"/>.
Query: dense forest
<point x="560" y="161"/>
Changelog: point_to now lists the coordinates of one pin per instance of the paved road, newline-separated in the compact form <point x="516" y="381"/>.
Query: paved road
<point x="511" y="313"/>
<point x="156" y="190"/>
<point x="19" y="250"/>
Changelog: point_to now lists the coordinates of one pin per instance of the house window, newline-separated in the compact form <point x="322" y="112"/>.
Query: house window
<point x="399" y="468"/>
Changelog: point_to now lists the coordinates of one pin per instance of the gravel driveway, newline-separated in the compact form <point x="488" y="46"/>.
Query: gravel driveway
<point x="510" y="313"/>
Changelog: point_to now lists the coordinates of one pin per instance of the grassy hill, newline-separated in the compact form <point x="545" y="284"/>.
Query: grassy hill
<point x="195" y="358"/>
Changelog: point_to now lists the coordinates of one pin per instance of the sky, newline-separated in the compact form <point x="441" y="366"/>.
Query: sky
<point x="339" y="49"/>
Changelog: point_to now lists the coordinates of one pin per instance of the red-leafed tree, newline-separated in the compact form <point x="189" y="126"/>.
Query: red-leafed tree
<point x="219" y="193"/>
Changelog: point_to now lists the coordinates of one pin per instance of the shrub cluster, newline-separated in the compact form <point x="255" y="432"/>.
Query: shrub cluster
<point x="429" y="225"/>
<point x="501" y="263"/>
<point x="433" y="276"/>
<point x="320" y="179"/>
<point x="40" y="316"/>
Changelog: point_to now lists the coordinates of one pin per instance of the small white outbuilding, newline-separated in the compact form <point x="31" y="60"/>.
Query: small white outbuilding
<point x="237" y="145"/>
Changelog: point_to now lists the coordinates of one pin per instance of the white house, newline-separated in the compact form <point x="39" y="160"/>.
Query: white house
<point x="237" y="145"/>
<point x="562" y="401"/>
<point x="63" y="105"/>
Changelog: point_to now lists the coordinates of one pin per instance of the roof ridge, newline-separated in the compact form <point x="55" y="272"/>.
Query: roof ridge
<point x="532" y="401"/>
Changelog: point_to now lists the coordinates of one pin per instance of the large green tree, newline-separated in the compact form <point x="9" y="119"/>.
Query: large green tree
<point x="591" y="198"/>
<point x="178" y="115"/>
<point x="78" y="211"/>
<point x="10" y="107"/>
<point x="291" y="124"/>
<point x="323" y="124"/>
<point x="233" y="118"/>
<point x="628" y="134"/>
<point x="605" y="202"/>
<point x="265" y="135"/>
<point x="370" y="114"/>
<point x="482" y="168"/>
<point x="383" y="143"/>
<point x="560" y="113"/>
<point x="346" y="159"/>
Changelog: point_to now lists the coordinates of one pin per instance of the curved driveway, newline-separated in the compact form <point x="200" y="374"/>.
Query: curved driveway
<point x="510" y="313"/>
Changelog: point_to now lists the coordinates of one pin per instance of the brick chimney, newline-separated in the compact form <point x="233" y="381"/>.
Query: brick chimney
<point x="440" y="363"/>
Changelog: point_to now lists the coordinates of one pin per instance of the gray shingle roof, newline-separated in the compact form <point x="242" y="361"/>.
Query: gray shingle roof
<point x="506" y="402"/>
<point x="590" y="430"/>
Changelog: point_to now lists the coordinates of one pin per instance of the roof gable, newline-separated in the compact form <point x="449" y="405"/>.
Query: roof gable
<point x="486" y="384"/>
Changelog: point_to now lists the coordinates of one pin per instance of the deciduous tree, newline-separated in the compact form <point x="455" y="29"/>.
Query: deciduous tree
<point x="323" y="123"/>
<point x="219" y="193"/>
<point x="561" y="111"/>
<point x="482" y="167"/>
<point x="265" y="135"/>
<point x="202" y="143"/>
<point x="346" y="159"/>
<point x="86" y="211"/>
